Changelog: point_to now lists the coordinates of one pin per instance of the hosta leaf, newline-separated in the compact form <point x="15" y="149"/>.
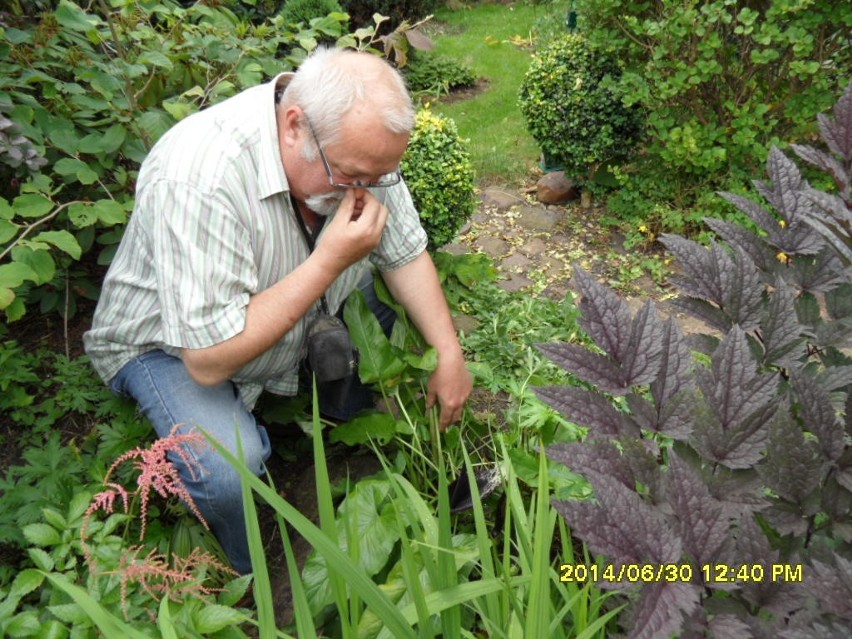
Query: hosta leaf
<point x="621" y="526"/>
<point x="792" y="466"/>
<point x="586" y="408"/>
<point x="661" y="609"/>
<point x="819" y="416"/>
<point x="703" y="521"/>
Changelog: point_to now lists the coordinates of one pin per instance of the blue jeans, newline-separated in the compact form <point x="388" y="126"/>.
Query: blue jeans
<point x="167" y="395"/>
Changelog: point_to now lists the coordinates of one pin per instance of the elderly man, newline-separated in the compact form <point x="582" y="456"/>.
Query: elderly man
<point x="251" y="218"/>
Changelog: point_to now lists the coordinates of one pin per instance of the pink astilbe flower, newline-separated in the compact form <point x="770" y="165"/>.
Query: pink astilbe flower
<point x="159" y="580"/>
<point x="156" y="473"/>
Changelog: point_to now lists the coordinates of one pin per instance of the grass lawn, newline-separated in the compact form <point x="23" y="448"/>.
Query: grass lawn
<point x="496" y="41"/>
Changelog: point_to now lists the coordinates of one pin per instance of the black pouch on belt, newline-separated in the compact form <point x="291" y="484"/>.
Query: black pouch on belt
<point x="330" y="355"/>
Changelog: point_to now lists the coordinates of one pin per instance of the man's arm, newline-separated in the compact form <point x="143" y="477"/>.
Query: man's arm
<point x="416" y="286"/>
<point x="352" y="234"/>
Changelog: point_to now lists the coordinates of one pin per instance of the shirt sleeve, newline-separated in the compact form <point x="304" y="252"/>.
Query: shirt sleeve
<point x="204" y="266"/>
<point x="404" y="237"/>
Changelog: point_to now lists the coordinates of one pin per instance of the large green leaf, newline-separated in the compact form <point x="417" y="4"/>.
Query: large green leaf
<point x="7" y="231"/>
<point x="82" y="214"/>
<point x="378" y="359"/>
<point x="378" y="427"/>
<point x="73" y="17"/>
<point x="13" y="275"/>
<point x="32" y="205"/>
<point x="110" y="212"/>
<point x="77" y="168"/>
<point x="41" y="262"/>
<point x="62" y="240"/>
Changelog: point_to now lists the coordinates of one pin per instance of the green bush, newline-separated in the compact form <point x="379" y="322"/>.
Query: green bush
<point x="572" y="108"/>
<point x="361" y="11"/>
<point x="439" y="173"/>
<point x="436" y="74"/>
<point x="83" y="96"/>
<point x="721" y="82"/>
<point x="303" y="11"/>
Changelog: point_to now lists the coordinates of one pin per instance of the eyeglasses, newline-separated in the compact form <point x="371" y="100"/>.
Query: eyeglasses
<point x="383" y="182"/>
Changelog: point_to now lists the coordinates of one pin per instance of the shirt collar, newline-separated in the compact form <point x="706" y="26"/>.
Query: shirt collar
<point x="271" y="178"/>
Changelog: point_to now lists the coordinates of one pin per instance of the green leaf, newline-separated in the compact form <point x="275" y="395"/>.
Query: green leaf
<point x="32" y="205"/>
<point x="26" y="581"/>
<point x="73" y="17"/>
<point x="24" y="624"/>
<point x="214" y="617"/>
<point x="110" y="212"/>
<point x="6" y="211"/>
<point x="40" y="262"/>
<point x="156" y="58"/>
<point x="63" y="137"/>
<point x="41" y="559"/>
<point x="82" y="214"/>
<point x="79" y="169"/>
<point x="379" y="427"/>
<point x="13" y="275"/>
<point x="378" y="360"/>
<point x="177" y="108"/>
<point x="7" y="231"/>
<point x="41" y="535"/>
<point x="154" y="123"/>
<point x="7" y="296"/>
<point x="62" y="240"/>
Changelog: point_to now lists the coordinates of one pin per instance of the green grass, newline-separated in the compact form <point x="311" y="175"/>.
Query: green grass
<point x="496" y="41"/>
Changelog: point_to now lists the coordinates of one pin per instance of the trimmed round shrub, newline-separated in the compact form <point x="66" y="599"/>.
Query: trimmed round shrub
<point x="439" y="174"/>
<point x="303" y="11"/>
<point x="573" y="109"/>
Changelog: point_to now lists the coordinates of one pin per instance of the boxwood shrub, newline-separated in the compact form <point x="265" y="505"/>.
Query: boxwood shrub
<point x="572" y="106"/>
<point x="439" y="173"/>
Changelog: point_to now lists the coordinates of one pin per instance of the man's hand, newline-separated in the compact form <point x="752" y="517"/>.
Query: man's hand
<point x="355" y="230"/>
<point x="449" y="386"/>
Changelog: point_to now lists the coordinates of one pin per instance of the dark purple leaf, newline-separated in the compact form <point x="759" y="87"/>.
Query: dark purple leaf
<point x="759" y="215"/>
<point x="735" y="390"/>
<point x="763" y="256"/>
<point x="661" y="609"/>
<point x="831" y="585"/>
<point x="704" y="311"/>
<point x="728" y="627"/>
<point x="781" y="331"/>
<point x="604" y="315"/>
<point x="824" y="161"/>
<point x="737" y="446"/>
<point x="784" y="194"/>
<point x="621" y="526"/>
<point x="702" y="520"/>
<point x="837" y="130"/>
<point x="792" y="466"/>
<point x="592" y="458"/>
<point x="590" y="367"/>
<point x="586" y="408"/>
<point x="818" y="274"/>
<point x="819" y="416"/>
<point x="838" y="302"/>
<point x="641" y="361"/>
<point x="787" y="518"/>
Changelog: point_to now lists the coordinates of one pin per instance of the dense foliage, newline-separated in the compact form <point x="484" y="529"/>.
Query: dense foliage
<point x="572" y="110"/>
<point x="438" y="171"/>
<point x="361" y="12"/>
<point x="303" y="11"/>
<point x="720" y="82"/>
<point x="436" y="75"/>
<point x="723" y="481"/>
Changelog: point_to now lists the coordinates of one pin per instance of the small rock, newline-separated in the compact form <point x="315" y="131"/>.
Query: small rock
<point x="455" y="249"/>
<point x="465" y="323"/>
<point x="499" y="198"/>
<point x="533" y="247"/>
<point x="555" y="188"/>
<point x="535" y="218"/>
<point x="514" y="283"/>
<point x="515" y="261"/>
<point x="495" y="247"/>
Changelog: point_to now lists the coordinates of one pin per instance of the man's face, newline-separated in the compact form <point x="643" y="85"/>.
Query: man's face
<point x="364" y="155"/>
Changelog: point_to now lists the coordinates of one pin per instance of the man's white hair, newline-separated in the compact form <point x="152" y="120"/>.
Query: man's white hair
<point x="331" y="81"/>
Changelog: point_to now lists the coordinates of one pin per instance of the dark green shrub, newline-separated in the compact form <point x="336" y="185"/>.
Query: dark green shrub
<point x="436" y="74"/>
<point x="303" y="11"/>
<point x="723" y="479"/>
<point x="721" y="82"/>
<point x="83" y="96"/>
<point x="572" y="108"/>
<point x="439" y="173"/>
<point x="361" y="11"/>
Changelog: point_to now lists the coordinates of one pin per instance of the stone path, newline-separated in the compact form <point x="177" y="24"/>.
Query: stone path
<point x="535" y="247"/>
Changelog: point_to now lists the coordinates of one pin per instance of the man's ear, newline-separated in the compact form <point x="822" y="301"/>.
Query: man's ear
<point x="290" y="125"/>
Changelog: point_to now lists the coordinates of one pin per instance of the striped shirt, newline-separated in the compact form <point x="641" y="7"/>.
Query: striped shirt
<point x="212" y="226"/>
